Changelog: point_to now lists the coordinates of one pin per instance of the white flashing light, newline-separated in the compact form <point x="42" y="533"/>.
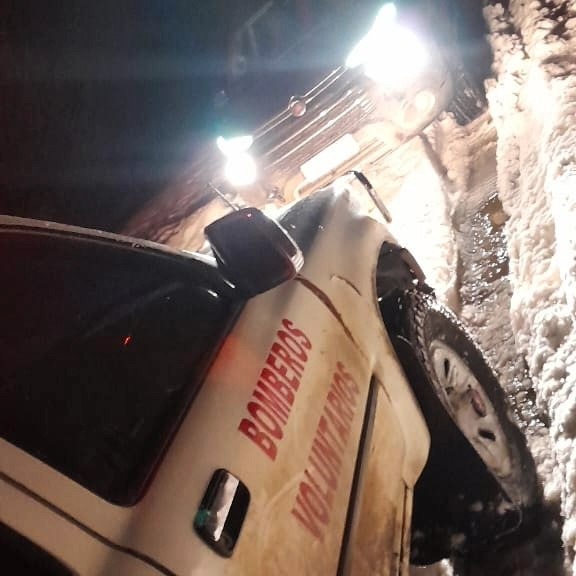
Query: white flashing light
<point x="390" y="54"/>
<point x="240" y="169"/>
<point x="385" y="20"/>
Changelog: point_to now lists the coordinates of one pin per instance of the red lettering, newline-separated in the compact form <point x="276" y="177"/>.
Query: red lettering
<point x="270" y="378"/>
<point x="269" y="399"/>
<point x="313" y="502"/>
<point x="320" y="465"/>
<point x="325" y="430"/>
<point x="282" y="353"/>
<point x="306" y="519"/>
<point x="265" y="419"/>
<point x="282" y="371"/>
<point x="292" y="344"/>
<point x="342" y="429"/>
<point x="340" y="407"/>
<point x="347" y="377"/>
<point x="315" y="496"/>
<point x="273" y="395"/>
<point x="304" y="340"/>
<point x="326" y="495"/>
<point x="323" y="449"/>
<point x="262" y="440"/>
<point x="340" y="386"/>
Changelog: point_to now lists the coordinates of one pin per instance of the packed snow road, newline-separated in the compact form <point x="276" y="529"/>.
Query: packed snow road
<point x="485" y="297"/>
<point x="475" y="282"/>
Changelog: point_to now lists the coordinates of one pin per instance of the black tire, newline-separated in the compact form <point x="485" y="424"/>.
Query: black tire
<point x="468" y="391"/>
<point x="486" y="421"/>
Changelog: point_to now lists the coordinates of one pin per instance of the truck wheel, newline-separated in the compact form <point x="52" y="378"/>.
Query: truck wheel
<point x="479" y="490"/>
<point x="470" y="392"/>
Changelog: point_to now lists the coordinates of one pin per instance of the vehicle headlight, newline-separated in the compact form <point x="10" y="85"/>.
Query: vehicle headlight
<point x="240" y="169"/>
<point x="389" y="53"/>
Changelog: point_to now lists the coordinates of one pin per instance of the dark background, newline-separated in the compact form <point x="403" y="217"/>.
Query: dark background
<point x="103" y="103"/>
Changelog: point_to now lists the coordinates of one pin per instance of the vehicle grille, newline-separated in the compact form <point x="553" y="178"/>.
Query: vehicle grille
<point x="338" y="105"/>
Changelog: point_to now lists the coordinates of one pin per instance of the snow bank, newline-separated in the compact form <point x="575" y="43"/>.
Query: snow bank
<point x="422" y="223"/>
<point x="533" y="103"/>
<point x="419" y="200"/>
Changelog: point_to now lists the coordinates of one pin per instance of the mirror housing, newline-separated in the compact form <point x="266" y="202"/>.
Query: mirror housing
<point x="253" y="252"/>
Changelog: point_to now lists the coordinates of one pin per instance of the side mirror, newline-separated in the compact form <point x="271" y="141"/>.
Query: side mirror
<point x="253" y="252"/>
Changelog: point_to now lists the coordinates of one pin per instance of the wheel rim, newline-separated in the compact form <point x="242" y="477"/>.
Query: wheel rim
<point x="466" y="401"/>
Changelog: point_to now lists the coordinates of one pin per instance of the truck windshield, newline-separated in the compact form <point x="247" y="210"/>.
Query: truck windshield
<point x="102" y="349"/>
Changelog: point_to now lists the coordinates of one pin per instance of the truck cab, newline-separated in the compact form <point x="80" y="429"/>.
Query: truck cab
<point x="158" y="420"/>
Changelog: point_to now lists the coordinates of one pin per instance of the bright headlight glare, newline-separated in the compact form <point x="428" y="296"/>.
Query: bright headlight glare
<point x="240" y="169"/>
<point x="385" y="20"/>
<point x="390" y="54"/>
<point x="232" y="146"/>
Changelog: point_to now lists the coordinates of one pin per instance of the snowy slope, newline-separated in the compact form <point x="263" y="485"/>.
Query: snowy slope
<point x="533" y="104"/>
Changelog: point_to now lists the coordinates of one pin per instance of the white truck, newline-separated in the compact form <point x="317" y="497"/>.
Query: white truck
<point x="276" y="409"/>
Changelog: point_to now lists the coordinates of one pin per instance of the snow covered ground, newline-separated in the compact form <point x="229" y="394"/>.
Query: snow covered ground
<point x="533" y="104"/>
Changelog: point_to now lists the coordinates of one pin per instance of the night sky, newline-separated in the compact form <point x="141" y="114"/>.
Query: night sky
<point x="102" y="102"/>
